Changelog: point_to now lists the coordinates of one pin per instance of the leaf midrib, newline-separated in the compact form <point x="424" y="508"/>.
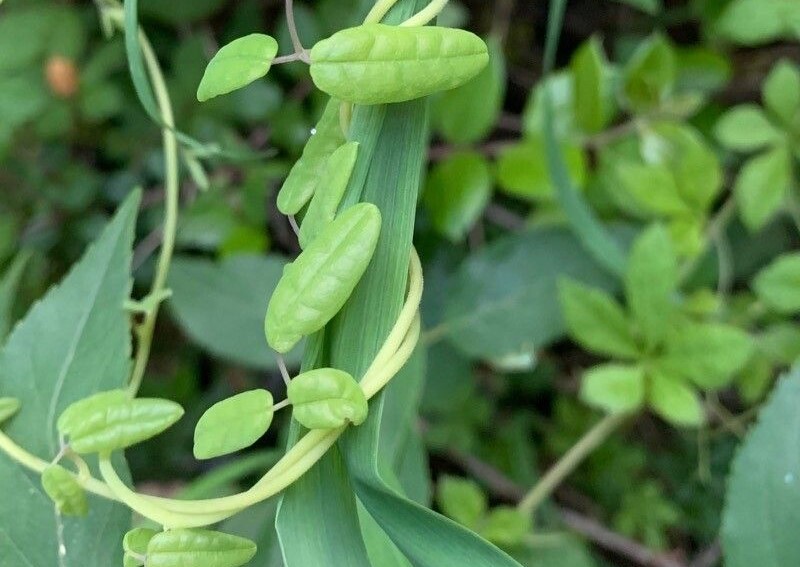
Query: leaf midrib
<point x="54" y="398"/>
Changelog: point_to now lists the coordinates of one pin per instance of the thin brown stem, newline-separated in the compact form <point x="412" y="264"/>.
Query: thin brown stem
<point x="570" y="461"/>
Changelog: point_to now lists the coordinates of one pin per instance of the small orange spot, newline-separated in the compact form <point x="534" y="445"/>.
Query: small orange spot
<point x="62" y="76"/>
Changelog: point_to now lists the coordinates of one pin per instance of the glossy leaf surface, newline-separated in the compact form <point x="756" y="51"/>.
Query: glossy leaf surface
<point x="109" y="421"/>
<point x="379" y="64"/>
<point x="237" y="64"/>
<point x="183" y="548"/>
<point x="327" y="398"/>
<point x="233" y="424"/>
<point x="64" y="490"/>
<point x="316" y="285"/>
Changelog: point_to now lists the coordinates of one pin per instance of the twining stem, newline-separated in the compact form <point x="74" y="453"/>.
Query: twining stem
<point x="171" y="203"/>
<point x="393" y="355"/>
<point x="569" y="462"/>
<point x="379" y="11"/>
<point x="37" y="465"/>
<point x="426" y="15"/>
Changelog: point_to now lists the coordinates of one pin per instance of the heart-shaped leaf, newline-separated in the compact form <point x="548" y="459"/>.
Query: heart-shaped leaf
<point x="237" y="64"/>
<point x="63" y="489"/>
<point x="181" y="548"/>
<point x="318" y="283"/>
<point x="8" y="407"/>
<point x="327" y="398"/>
<point x="233" y="424"/>
<point x="112" y="420"/>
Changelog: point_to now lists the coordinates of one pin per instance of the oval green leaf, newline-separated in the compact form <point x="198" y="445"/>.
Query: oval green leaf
<point x="318" y="283"/>
<point x="380" y="64"/>
<point x="8" y="408"/>
<point x="63" y="489"/>
<point x="327" y="398"/>
<point x="299" y="186"/>
<point x="237" y="64"/>
<point x="181" y="548"/>
<point x="329" y="192"/>
<point x="112" y="420"/>
<point x="233" y="424"/>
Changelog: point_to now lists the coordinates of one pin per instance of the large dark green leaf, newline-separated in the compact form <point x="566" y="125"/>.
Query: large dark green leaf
<point x="504" y="299"/>
<point x="222" y="305"/>
<point x="763" y="503"/>
<point x="75" y="342"/>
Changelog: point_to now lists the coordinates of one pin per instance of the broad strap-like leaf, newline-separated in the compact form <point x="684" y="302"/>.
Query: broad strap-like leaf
<point x="426" y="538"/>
<point x="762" y="510"/>
<point x="73" y="343"/>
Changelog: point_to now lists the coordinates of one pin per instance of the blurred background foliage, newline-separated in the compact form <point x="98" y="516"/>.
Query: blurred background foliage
<point x="686" y="113"/>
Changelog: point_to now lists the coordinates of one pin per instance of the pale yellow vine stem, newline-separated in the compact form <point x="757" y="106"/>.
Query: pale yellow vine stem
<point x="392" y="356"/>
<point x="37" y="465"/>
<point x="426" y="15"/>
<point x="145" y="330"/>
<point x="379" y="11"/>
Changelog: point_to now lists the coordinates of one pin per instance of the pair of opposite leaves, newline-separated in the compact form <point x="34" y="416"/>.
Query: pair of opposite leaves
<point x="367" y="64"/>
<point x="324" y="398"/>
